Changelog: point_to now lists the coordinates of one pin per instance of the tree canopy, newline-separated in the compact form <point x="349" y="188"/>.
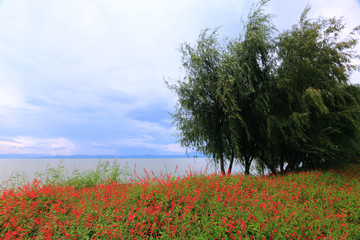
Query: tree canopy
<point x="281" y="99"/>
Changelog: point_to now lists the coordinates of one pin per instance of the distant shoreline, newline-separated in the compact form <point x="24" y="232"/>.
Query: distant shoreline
<point x="32" y="156"/>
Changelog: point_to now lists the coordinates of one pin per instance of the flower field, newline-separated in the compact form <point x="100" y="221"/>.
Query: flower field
<point x="304" y="205"/>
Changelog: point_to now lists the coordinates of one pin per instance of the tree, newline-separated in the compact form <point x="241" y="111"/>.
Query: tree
<point x="199" y="115"/>
<point x="223" y="93"/>
<point x="314" y="117"/>
<point x="246" y="71"/>
<point x="283" y="100"/>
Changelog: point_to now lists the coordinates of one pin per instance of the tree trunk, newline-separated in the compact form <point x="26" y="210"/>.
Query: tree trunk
<point x="247" y="169"/>
<point x="272" y="169"/>
<point x="231" y="162"/>
<point x="222" y="164"/>
<point x="291" y="163"/>
<point x="281" y="162"/>
<point x="248" y="161"/>
<point x="270" y="166"/>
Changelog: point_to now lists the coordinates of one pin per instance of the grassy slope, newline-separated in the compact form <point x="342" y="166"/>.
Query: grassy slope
<point x="305" y="205"/>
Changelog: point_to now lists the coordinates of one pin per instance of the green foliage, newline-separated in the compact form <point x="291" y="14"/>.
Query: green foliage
<point x="281" y="99"/>
<point x="246" y="72"/>
<point x="104" y="172"/>
<point x="317" y="109"/>
<point x="199" y="115"/>
<point x="223" y="92"/>
<point x="303" y="205"/>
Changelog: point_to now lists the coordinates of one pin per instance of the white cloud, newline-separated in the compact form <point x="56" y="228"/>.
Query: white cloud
<point x="11" y="94"/>
<point x="94" y="45"/>
<point x="143" y="140"/>
<point x="174" y="148"/>
<point x="30" y="145"/>
<point x="149" y="142"/>
<point x="89" y="66"/>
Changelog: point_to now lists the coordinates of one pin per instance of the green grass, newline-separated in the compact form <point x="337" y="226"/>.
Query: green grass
<point x="105" y="171"/>
<point x="98" y="204"/>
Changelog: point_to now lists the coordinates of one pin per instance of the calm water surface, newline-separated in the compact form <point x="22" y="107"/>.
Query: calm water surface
<point x="29" y="167"/>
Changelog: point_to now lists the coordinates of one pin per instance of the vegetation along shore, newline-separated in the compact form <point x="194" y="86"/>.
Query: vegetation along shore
<point x="96" y="205"/>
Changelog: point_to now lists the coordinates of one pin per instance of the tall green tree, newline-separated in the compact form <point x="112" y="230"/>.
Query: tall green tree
<point x="284" y="101"/>
<point x="223" y="94"/>
<point x="315" y="112"/>
<point x="246" y="71"/>
<point x="199" y="115"/>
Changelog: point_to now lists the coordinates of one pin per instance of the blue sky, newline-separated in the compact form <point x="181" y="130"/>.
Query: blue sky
<point x="87" y="76"/>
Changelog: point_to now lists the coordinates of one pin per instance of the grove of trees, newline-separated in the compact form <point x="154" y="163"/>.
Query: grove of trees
<point x="282" y="99"/>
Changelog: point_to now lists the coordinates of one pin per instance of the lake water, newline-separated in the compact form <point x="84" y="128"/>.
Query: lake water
<point x="28" y="167"/>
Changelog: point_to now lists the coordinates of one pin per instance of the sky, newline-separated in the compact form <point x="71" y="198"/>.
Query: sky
<point x="87" y="76"/>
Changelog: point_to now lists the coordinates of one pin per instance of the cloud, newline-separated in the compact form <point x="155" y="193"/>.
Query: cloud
<point x="93" y="71"/>
<point x="11" y="93"/>
<point x="174" y="148"/>
<point x="30" y="145"/>
<point x="130" y="45"/>
<point x="148" y="145"/>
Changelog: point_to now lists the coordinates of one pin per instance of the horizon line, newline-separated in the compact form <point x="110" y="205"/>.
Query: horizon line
<point x="24" y="155"/>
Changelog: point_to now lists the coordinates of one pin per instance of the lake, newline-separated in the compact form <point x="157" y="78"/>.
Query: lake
<point x="28" y="167"/>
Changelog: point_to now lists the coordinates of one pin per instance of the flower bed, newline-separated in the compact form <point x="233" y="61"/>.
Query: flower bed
<point x="305" y="205"/>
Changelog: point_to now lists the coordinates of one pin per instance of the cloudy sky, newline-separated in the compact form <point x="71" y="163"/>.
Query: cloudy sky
<point x="87" y="76"/>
